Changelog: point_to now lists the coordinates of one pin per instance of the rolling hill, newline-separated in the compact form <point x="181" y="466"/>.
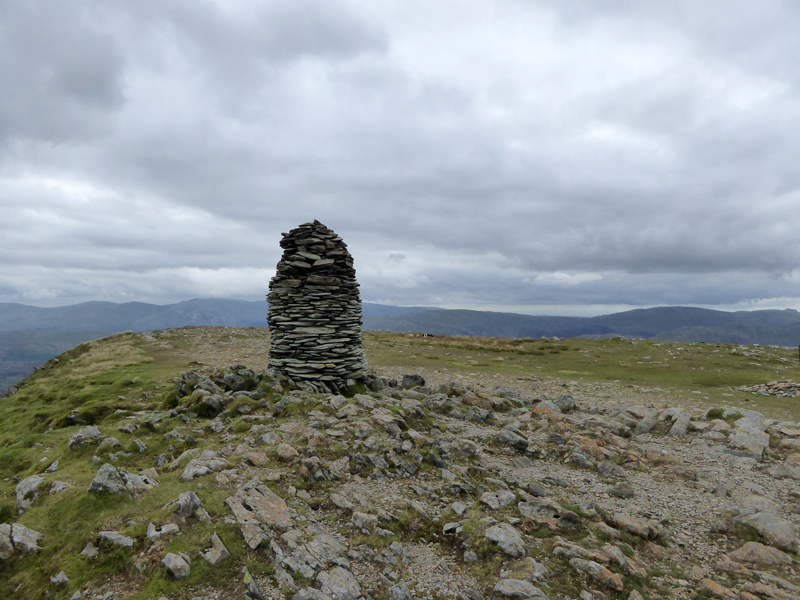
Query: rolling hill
<point x="29" y="335"/>
<point x="684" y="324"/>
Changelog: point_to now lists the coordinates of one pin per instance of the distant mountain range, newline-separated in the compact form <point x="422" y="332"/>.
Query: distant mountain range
<point x="676" y="324"/>
<point x="29" y="336"/>
<point x="139" y="316"/>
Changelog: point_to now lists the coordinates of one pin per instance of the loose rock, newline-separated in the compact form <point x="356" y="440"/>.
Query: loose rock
<point x="178" y="565"/>
<point x="15" y="538"/>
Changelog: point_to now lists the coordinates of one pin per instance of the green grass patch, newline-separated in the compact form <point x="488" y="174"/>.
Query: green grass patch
<point x="679" y="369"/>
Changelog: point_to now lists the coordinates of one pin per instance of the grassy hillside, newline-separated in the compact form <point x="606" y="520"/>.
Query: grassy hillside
<point x="106" y="381"/>
<point x="22" y="351"/>
<point x="30" y="336"/>
<point x="703" y="372"/>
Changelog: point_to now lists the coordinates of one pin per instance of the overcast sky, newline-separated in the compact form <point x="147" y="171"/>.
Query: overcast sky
<point x="561" y="157"/>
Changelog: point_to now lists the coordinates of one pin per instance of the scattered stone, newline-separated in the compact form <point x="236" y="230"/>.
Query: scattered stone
<point x="598" y="572"/>
<point x="154" y="533"/>
<point x="681" y="425"/>
<point x="716" y="590"/>
<point x="759" y="554"/>
<point x="107" y="481"/>
<point x="16" y="538"/>
<point x="648" y="421"/>
<point x="517" y="589"/>
<point x="339" y="583"/>
<point x="27" y="491"/>
<point x="785" y="389"/>
<point x="252" y="590"/>
<point x="777" y="531"/>
<point x="258" y="509"/>
<point x="412" y="381"/>
<point x="137" y="484"/>
<point x="87" y="435"/>
<point x="217" y="552"/>
<point x="310" y="593"/>
<point x="111" y="480"/>
<point x="60" y="579"/>
<point x="188" y="504"/>
<point x="116" y="539"/>
<point x="349" y="462"/>
<point x="784" y="471"/>
<point x="109" y="443"/>
<point x="507" y="538"/>
<point x="565" y="403"/>
<point x="59" y="486"/>
<point x="452" y="528"/>
<point x="208" y="462"/>
<point x="364" y="522"/>
<point x="631" y="524"/>
<point x="178" y="565"/>
<point x="514" y="438"/>
<point x="499" y="499"/>
<point x="400" y="591"/>
<point x="754" y="444"/>
<point x="286" y="452"/>
<point x="622" y="490"/>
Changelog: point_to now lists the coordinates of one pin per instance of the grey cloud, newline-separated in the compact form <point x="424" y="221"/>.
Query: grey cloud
<point x="550" y="153"/>
<point x="61" y="72"/>
<point x="615" y="288"/>
<point x="241" y="47"/>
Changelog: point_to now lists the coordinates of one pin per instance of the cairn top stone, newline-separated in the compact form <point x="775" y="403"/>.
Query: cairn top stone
<point x="315" y="312"/>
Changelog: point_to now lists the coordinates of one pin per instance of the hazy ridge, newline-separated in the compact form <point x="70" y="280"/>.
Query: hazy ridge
<point x="29" y="335"/>
<point x="680" y="324"/>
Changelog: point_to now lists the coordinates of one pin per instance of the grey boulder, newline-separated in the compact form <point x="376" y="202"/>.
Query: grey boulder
<point x="217" y="553"/>
<point x="27" y="491"/>
<point x="107" y="481"/>
<point x="400" y="591"/>
<point x="17" y="538"/>
<point x="777" y="531"/>
<point x="86" y="435"/>
<point x="507" y="538"/>
<point x="339" y="583"/>
<point x="178" y="565"/>
<point x="518" y="589"/>
<point x="513" y="438"/>
<point x="115" y="538"/>
<point x="310" y="593"/>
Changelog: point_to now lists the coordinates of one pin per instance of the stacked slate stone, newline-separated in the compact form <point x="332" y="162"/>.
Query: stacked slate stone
<point x="315" y="313"/>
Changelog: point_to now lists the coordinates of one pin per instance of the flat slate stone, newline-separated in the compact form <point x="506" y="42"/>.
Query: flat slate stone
<point x="777" y="531"/>
<point x="759" y="554"/>
<point x="257" y="509"/>
<point x="116" y="538"/>
<point x="507" y="538"/>
<point x="518" y="589"/>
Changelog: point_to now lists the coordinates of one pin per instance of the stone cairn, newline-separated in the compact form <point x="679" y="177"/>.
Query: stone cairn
<point x="315" y="313"/>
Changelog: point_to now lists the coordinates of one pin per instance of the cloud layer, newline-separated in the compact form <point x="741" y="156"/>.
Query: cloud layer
<point x="538" y="156"/>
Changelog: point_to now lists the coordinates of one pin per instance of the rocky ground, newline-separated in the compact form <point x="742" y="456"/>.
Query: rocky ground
<point x="429" y="488"/>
